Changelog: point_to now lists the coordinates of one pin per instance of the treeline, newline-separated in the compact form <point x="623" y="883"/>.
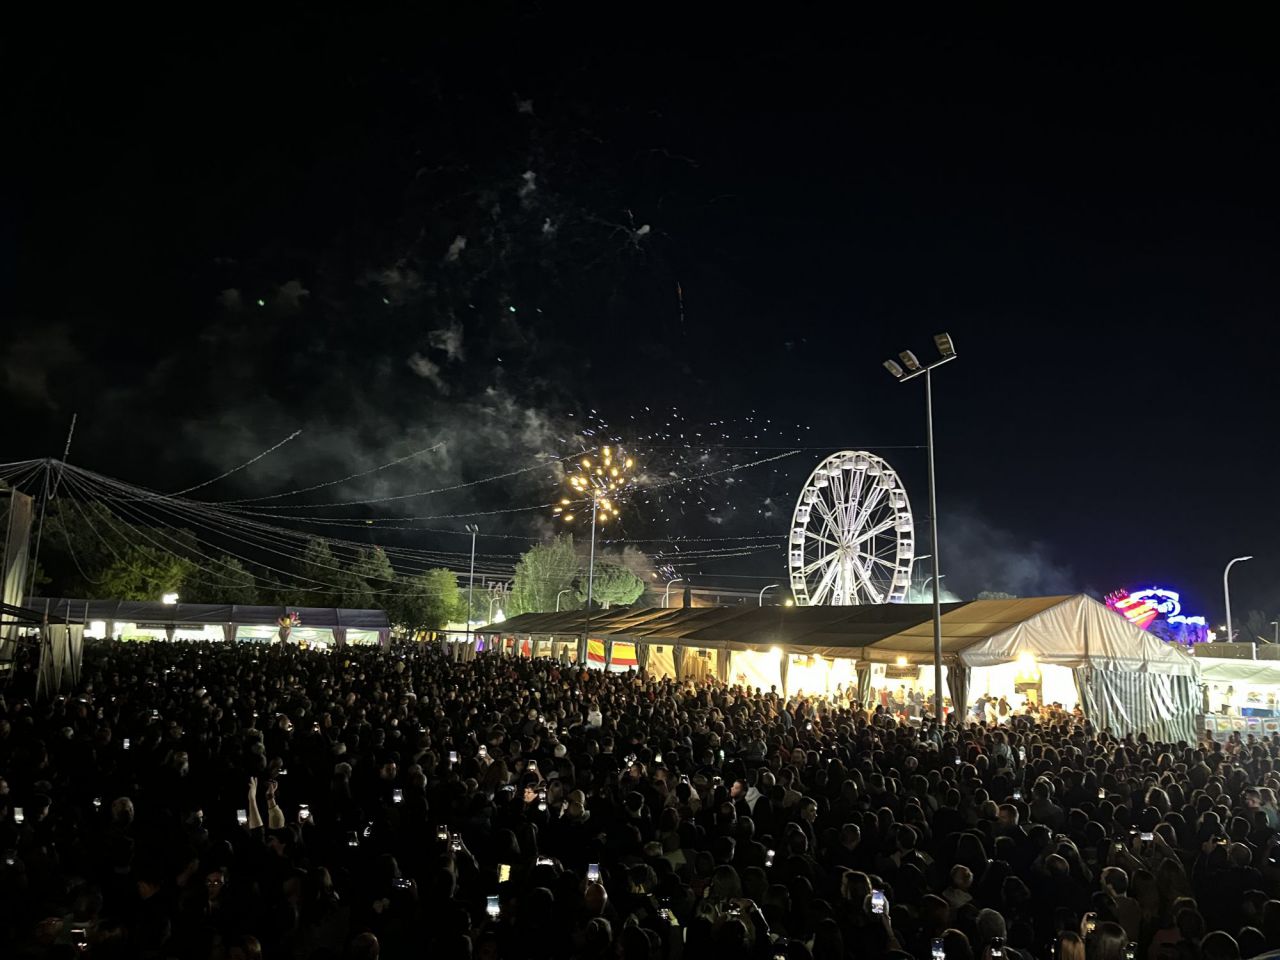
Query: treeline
<point x="89" y="552"/>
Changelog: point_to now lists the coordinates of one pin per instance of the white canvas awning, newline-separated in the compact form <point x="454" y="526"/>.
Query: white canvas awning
<point x="1075" y="632"/>
<point x="1218" y="670"/>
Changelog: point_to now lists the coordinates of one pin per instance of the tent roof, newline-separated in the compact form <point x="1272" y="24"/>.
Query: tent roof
<point x="1067" y="630"/>
<point x="138" y="611"/>
<point x="1224" y="670"/>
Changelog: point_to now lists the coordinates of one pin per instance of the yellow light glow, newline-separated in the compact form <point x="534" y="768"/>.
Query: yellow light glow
<point x="568" y="518"/>
<point x="776" y="651"/>
<point x="1026" y="661"/>
<point x="586" y="463"/>
<point x="564" y="503"/>
<point x="901" y="661"/>
<point x="606" y="451"/>
<point x="788" y="602"/>
<point x="630" y="463"/>
<point x="613" y="472"/>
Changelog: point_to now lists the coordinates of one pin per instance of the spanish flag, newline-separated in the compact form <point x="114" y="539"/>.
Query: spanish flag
<point x="624" y="654"/>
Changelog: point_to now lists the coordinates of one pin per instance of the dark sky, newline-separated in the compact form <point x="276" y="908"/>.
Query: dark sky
<point x="1089" y="209"/>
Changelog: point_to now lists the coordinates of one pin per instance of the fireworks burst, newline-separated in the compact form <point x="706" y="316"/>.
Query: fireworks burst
<point x="600" y="483"/>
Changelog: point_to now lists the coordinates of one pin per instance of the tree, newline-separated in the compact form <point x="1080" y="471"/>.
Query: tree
<point x="367" y="581"/>
<point x="426" y="602"/>
<point x="317" y="571"/>
<point x="225" y="580"/>
<point x="81" y="540"/>
<point x="1253" y="627"/>
<point x="541" y="574"/>
<point x="613" y="584"/>
<point x="144" y="572"/>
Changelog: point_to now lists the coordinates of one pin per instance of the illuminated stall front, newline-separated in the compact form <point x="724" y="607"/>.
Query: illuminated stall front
<point x="1241" y="695"/>
<point x="1043" y="650"/>
<point x="146" y="622"/>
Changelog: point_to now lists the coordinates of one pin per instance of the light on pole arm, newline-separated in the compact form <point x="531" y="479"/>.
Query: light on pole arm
<point x="558" y="596"/>
<point x="914" y="368"/>
<point x="1226" y="593"/>
<point x="769" y="587"/>
<point x="666" y="594"/>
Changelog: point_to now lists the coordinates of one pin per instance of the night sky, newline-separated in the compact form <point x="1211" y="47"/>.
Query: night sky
<point x="480" y="228"/>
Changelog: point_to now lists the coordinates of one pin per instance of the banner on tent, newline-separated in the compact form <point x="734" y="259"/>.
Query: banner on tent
<point x="624" y="654"/>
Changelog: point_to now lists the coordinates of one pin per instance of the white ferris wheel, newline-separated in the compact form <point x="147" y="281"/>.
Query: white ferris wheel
<point x="852" y="535"/>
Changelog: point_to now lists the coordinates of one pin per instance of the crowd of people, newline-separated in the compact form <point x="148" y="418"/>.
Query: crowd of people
<point x="199" y="801"/>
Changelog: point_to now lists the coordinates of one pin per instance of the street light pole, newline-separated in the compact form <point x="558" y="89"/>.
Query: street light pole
<point x="558" y="596"/>
<point x="666" y="594"/>
<point x="946" y="353"/>
<point x="472" y="529"/>
<point x="591" y="573"/>
<point x="769" y="587"/>
<point x="1226" y="593"/>
<point x="933" y="536"/>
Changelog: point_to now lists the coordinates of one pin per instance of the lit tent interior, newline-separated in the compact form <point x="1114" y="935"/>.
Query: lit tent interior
<point x="1066" y="649"/>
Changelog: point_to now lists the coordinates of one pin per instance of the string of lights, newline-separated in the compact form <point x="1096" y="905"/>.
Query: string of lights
<point x="248" y="463"/>
<point x="333" y="483"/>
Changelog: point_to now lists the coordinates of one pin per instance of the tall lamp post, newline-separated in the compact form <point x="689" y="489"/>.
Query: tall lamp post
<point x="601" y="481"/>
<point x="666" y="594"/>
<point x="1226" y="593"/>
<point x="769" y="587"/>
<point x="472" y="529"/>
<point x="914" y="368"/>
<point x="558" y="596"/>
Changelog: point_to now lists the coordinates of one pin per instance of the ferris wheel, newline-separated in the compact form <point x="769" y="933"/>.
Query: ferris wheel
<point x="852" y="536"/>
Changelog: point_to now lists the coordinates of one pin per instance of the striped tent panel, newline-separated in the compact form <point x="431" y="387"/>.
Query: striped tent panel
<point x="1162" y="706"/>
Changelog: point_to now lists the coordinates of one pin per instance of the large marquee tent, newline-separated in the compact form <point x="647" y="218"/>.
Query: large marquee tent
<point x="1125" y="679"/>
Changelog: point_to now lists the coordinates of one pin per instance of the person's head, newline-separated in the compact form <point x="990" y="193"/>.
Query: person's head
<point x="990" y="926"/>
<point x="364" y="947"/>
<point x="122" y="811"/>
<point x="961" y="877"/>
<point x="1251" y="942"/>
<point x="1190" y="923"/>
<point x="1070" y="946"/>
<point x="956" y="945"/>
<point x="1115" y="881"/>
<point x="809" y="809"/>
<point x="245" y="948"/>
<point x="1007" y="816"/>
<point x="1239" y="855"/>
<point x="1219" y="945"/>
<point x="1108" y="942"/>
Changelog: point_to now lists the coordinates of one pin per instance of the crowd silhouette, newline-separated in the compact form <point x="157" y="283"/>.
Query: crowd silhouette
<point x="197" y="800"/>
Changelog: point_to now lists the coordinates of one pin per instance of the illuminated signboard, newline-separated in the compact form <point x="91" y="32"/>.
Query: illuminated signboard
<point x="1159" y="611"/>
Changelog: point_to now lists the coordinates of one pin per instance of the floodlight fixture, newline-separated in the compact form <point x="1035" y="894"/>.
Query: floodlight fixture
<point x="946" y="348"/>
<point x="893" y="368"/>
<point x="909" y="360"/>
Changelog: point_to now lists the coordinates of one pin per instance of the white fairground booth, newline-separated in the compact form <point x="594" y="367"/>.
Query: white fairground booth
<point x="1241" y="693"/>
<point x="1062" y="650"/>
